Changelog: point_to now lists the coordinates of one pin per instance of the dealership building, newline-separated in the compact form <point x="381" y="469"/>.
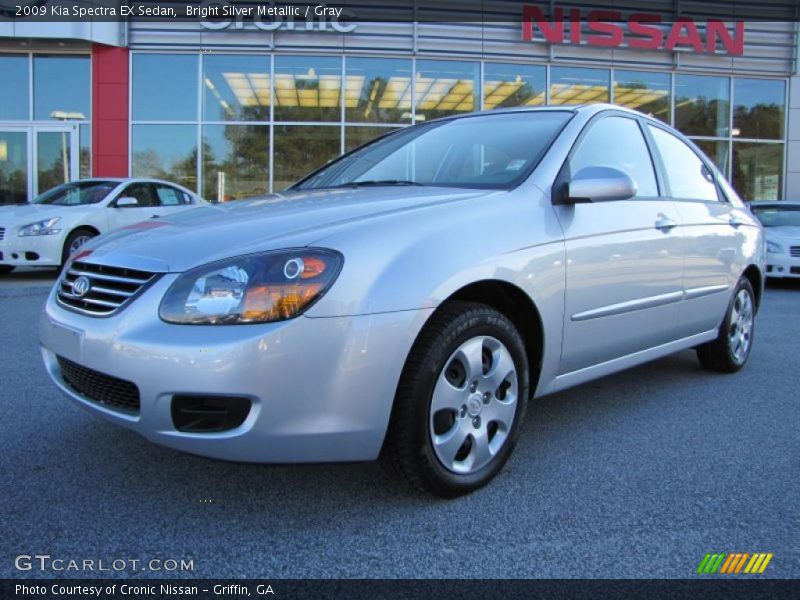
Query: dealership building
<point x="233" y="107"/>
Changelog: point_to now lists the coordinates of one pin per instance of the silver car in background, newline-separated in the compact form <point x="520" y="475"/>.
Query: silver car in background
<point x="407" y="300"/>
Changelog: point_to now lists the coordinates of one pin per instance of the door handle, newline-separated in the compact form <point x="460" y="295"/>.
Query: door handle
<point x="155" y="216"/>
<point x="665" y="223"/>
<point x="735" y="221"/>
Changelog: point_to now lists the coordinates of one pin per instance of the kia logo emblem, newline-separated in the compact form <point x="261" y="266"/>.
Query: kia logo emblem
<point x="81" y="287"/>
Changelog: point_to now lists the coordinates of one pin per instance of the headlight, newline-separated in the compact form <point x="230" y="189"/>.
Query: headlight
<point x="40" y="228"/>
<point x="774" y="248"/>
<point x="257" y="288"/>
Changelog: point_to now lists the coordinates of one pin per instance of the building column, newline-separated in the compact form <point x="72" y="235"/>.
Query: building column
<point x="792" y="191"/>
<point x="110" y="84"/>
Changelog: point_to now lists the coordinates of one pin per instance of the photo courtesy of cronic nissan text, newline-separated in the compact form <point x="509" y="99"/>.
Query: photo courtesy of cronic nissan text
<point x="414" y="299"/>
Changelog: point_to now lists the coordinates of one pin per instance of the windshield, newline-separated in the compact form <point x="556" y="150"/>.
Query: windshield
<point x="77" y="193"/>
<point x="486" y="151"/>
<point x="778" y="216"/>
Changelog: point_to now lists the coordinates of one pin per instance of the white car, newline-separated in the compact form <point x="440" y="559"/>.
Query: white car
<point x="781" y="221"/>
<point x="45" y="232"/>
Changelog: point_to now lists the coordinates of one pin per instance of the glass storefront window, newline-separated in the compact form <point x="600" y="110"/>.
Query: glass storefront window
<point x="643" y="91"/>
<point x="14" y="101"/>
<point x="445" y="87"/>
<point x="236" y="88"/>
<point x="702" y="105"/>
<point x="308" y="88"/>
<point x="166" y="152"/>
<point x="358" y="136"/>
<point x="13" y="167"/>
<point x="235" y="161"/>
<point x="508" y="85"/>
<point x="164" y="87"/>
<point x="717" y="151"/>
<point x="377" y="90"/>
<point x="578" y="85"/>
<point x="760" y="108"/>
<point x="758" y="170"/>
<point x="61" y="88"/>
<point x="299" y="149"/>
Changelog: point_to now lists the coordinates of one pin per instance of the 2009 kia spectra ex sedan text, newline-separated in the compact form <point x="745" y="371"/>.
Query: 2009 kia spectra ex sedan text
<point x="406" y="300"/>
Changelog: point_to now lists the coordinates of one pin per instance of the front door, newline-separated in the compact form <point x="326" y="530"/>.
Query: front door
<point x="624" y="260"/>
<point x="36" y="158"/>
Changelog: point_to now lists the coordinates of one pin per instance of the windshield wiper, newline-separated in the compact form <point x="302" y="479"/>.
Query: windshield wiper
<point x="376" y="182"/>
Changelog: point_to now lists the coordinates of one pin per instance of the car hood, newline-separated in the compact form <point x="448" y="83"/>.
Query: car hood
<point x="782" y="234"/>
<point x="289" y="219"/>
<point x="22" y="214"/>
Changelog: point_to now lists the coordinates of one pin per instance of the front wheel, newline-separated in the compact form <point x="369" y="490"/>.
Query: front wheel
<point x="75" y="240"/>
<point x="460" y="401"/>
<point x="730" y="351"/>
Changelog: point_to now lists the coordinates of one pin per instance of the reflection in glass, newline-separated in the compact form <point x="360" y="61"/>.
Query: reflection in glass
<point x="577" y="85"/>
<point x="358" y="136"/>
<point x="308" y="88"/>
<point x="445" y="88"/>
<point x="61" y="88"/>
<point x="164" y="87"/>
<point x="14" y="101"/>
<point x="165" y="152"/>
<point x="509" y="85"/>
<point x="717" y="151"/>
<point x="643" y="91"/>
<point x="13" y="167"/>
<point x="377" y="90"/>
<point x="702" y="105"/>
<point x="299" y="149"/>
<point x="52" y="159"/>
<point x="236" y="88"/>
<point x="760" y="108"/>
<point x="85" y="144"/>
<point x="758" y="170"/>
<point x="235" y="161"/>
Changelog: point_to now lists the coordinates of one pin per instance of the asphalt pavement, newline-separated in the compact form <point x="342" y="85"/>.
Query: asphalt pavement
<point x="637" y="475"/>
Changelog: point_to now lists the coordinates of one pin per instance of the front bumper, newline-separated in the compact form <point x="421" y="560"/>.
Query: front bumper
<point x="782" y="265"/>
<point x="30" y="251"/>
<point x="321" y="388"/>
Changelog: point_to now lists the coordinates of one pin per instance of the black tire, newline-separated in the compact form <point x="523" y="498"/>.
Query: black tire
<point x="409" y="449"/>
<point x="71" y="238"/>
<point x="6" y="269"/>
<point x="721" y="354"/>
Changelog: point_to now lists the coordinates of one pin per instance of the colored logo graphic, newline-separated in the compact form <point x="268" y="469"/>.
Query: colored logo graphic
<point x="734" y="563"/>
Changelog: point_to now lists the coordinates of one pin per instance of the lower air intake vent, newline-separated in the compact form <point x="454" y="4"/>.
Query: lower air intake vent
<point x="111" y="392"/>
<point x="209" y="414"/>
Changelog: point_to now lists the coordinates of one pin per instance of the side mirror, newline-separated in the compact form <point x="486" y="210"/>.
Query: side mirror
<point x="599" y="184"/>
<point x="126" y="201"/>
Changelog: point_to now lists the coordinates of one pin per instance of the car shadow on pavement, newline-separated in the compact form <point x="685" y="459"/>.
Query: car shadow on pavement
<point x="149" y="473"/>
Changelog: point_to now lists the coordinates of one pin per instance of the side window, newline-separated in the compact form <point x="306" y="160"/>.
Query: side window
<point x="618" y="142"/>
<point x="143" y="192"/>
<point x="169" y="196"/>
<point x="687" y="175"/>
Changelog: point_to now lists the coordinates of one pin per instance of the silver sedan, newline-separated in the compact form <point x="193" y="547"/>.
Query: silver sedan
<point x="407" y="300"/>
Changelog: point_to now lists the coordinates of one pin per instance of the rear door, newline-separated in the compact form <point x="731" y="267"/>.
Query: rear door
<point x="624" y="258"/>
<point x="710" y="230"/>
<point x="171" y="199"/>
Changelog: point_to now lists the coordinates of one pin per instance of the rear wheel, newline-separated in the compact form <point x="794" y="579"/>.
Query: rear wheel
<point x="730" y="351"/>
<point x="460" y="401"/>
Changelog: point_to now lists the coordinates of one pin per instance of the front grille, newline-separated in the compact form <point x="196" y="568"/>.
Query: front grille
<point x="2" y="233"/>
<point x="795" y="251"/>
<point x="109" y="391"/>
<point x="110" y="289"/>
